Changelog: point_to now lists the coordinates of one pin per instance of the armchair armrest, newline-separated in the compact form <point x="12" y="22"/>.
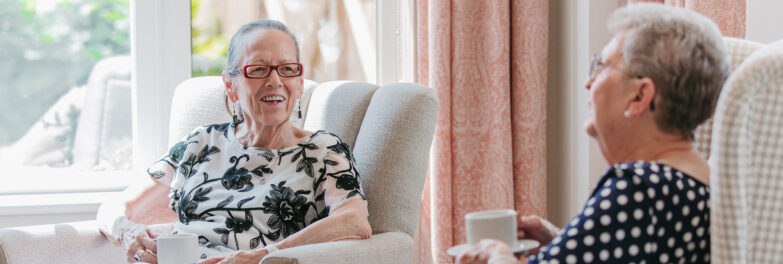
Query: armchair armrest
<point x="78" y="242"/>
<point x="389" y="247"/>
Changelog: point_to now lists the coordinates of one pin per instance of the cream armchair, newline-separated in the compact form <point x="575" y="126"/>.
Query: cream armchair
<point x="390" y="129"/>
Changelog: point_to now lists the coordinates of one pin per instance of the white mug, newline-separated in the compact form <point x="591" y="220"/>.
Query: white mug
<point x="178" y="249"/>
<point x="494" y="224"/>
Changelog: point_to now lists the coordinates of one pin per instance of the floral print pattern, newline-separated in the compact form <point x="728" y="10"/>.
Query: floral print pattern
<point x="238" y="197"/>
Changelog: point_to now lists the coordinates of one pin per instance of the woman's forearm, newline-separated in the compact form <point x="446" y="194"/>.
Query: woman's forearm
<point x="349" y="221"/>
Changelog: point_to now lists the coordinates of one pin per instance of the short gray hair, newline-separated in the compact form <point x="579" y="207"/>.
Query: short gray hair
<point x="683" y="53"/>
<point x="238" y="42"/>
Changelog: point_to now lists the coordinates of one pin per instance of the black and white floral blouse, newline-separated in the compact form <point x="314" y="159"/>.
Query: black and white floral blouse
<point x="236" y="197"/>
<point x="641" y="212"/>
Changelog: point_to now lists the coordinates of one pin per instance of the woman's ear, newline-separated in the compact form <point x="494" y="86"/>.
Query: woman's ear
<point x="230" y="91"/>
<point x="643" y="95"/>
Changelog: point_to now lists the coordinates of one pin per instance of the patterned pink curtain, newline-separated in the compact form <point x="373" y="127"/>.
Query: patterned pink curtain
<point x="487" y="60"/>
<point x="728" y="14"/>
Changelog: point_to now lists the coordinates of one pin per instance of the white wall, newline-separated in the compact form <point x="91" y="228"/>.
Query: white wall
<point x="764" y="23"/>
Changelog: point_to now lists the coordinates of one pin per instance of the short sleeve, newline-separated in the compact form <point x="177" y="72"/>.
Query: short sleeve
<point x="340" y="182"/>
<point x="166" y="168"/>
<point x="610" y="228"/>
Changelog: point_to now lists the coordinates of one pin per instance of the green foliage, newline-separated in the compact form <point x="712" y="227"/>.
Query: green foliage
<point x="209" y="45"/>
<point x="47" y="47"/>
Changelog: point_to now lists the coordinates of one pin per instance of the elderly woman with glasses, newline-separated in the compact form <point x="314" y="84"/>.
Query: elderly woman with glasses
<point x="257" y="184"/>
<point x="654" y="83"/>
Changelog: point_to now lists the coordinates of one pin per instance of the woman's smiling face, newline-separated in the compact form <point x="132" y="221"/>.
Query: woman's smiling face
<point x="267" y="101"/>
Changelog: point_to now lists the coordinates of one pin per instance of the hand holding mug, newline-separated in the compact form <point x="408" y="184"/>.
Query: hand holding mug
<point x="143" y="248"/>
<point x="536" y="228"/>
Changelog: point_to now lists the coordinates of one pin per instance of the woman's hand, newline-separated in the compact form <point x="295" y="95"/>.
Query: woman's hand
<point x="143" y="248"/>
<point x="484" y="250"/>
<point x="536" y="228"/>
<point x="239" y="257"/>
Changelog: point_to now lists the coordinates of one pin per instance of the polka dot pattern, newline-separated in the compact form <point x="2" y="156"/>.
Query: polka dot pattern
<point x="641" y="212"/>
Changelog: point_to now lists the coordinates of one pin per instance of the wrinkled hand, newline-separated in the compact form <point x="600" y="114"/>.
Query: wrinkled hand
<point x="239" y="257"/>
<point x="144" y="248"/>
<point x="536" y="228"/>
<point x="485" y="249"/>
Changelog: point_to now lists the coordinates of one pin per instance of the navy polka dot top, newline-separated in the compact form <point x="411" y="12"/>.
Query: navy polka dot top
<point x="639" y="213"/>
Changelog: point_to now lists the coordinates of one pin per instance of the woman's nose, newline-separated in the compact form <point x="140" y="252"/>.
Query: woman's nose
<point x="274" y="79"/>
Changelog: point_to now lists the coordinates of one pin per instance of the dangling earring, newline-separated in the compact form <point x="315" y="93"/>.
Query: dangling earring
<point x="299" y="104"/>
<point x="237" y="111"/>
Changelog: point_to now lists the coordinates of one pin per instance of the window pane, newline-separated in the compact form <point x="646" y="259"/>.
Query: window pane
<point x="65" y="68"/>
<point x="335" y="36"/>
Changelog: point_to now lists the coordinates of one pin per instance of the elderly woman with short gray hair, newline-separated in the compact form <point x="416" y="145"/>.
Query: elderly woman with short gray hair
<point x="654" y="83"/>
<point x="257" y="184"/>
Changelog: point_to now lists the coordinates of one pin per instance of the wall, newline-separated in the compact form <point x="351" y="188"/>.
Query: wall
<point x="764" y="23"/>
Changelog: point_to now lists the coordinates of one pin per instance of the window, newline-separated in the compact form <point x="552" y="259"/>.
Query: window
<point x="66" y="106"/>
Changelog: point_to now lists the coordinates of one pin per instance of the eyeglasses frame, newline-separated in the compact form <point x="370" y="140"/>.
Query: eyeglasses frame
<point x="272" y="67"/>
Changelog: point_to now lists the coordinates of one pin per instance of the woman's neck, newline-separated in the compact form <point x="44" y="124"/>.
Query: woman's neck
<point x="671" y="150"/>
<point x="257" y="135"/>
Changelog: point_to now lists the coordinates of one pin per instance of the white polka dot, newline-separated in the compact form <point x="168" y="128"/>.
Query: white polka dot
<point x="603" y="255"/>
<point x="622" y="216"/>
<point x="702" y="244"/>
<point x="591" y="201"/>
<point x="686" y="210"/>
<point x="691" y="246"/>
<point x="638" y="196"/>
<point x="589" y="224"/>
<point x="650" y="230"/>
<point x="701" y="191"/>
<point x="638" y="214"/>
<point x="606" y="192"/>
<point x="667" y="168"/>
<point x="668" y="175"/>
<point x="621" y="184"/>
<point x="661" y="232"/>
<point x="654" y="178"/>
<point x="700" y="231"/>
<point x="633" y="250"/>
<point x="668" y="215"/>
<point x="675" y="199"/>
<point x="554" y="261"/>
<point x="587" y="257"/>
<point x="636" y="180"/>
<point x="606" y="220"/>
<point x="691" y="195"/>
<point x="665" y="190"/>
<point x="679" y="174"/>
<point x="619" y="235"/>
<point x="624" y="166"/>
<point x="572" y="231"/>
<point x="678" y="252"/>
<point x="687" y="237"/>
<point x="654" y="167"/>
<point x="651" y="192"/>
<point x="648" y="248"/>
<point x="707" y="257"/>
<point x="694" y="258"/>
<point x="589" y="211"/>
<point x="608" y="183"/>
<point x="679" y="184"/>
<point x="618" y="172"/>
<point x="618" y="252"/>
<point x="700" y="205"/>
<point x="691" y="183"/>
<point x="557" y="240"/>
<point x="678" y="226"/>
<point x="588" y="240"/>
<point x="574" y="222"/>
<point x="605" y="238"/>
<point x="606" y="204"/>
<point x="670" y="242"/>
<point x="639" y="172"/>
<point x="659" y="205"/>
<point x="622" y="199"/>
<point x="571" y="259"/>
<point x="695" y="221"/>
<point x="571" y="244"/>
<point x="636" y="231"/>
<point x="664" y="258"/>
<point x="553" y="251"/>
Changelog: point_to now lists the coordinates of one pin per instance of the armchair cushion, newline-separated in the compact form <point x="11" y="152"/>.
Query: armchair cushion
<point x="77" y="242"/>
<point x="389" y="247"/>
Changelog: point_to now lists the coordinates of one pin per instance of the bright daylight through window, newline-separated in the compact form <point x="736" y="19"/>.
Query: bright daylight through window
<point x="66" y="122"/>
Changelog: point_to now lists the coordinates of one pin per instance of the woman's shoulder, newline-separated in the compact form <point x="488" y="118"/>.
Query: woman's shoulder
<point x="651" y="177"/>
<point x="323" y="138"/>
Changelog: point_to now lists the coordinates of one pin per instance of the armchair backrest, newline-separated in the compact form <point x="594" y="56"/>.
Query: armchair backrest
<point x="738" y="50"/>
<point x="746" y="175"/>
<point x="389" y="128"/>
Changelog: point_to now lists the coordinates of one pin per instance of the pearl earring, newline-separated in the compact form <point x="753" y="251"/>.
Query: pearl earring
<point x="627" y="114"/>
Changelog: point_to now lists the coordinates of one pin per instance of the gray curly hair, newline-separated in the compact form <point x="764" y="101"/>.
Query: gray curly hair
<point x="683" y="53"/>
